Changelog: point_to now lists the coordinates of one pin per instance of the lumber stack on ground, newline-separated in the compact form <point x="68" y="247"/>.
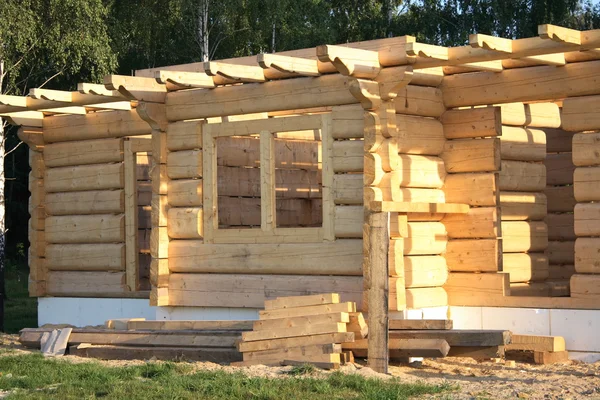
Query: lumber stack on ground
<point x="302" y="329"/>
<point x="539" y="349"/>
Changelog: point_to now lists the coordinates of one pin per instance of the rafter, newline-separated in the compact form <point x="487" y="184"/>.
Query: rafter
<point x="89" y="101"/>
<point x="276" y="66"/>
<point x="25" y="118"/>
<point x="177" y="80"/>
<point x="225" y="73"/>
<point x="351" y="62"/>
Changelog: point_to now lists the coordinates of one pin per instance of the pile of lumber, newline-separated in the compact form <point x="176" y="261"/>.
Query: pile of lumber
<point x="303" y="329"/>
<point x="436" y="338"/>
<point x="212" y="341"/>
<point x="539" y="349"/>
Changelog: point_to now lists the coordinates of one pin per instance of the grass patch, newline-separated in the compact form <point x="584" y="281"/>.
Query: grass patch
<point x="20" y="309"/>
<point x="32" y="376"/>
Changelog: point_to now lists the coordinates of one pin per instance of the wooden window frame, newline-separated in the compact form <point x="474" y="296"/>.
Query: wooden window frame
<point x="268" y="232"/>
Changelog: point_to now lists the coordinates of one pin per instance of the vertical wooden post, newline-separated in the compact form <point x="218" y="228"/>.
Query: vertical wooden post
<point x="327" y="177"/>
<point x="377" y="285"/>
<point x="267" y="181"/>
<point x="209" y="184"/>
<point x="131" y="216"/>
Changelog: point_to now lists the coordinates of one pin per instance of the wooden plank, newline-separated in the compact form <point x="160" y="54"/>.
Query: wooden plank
<point x="560" y="198"/>
<point x="586" y="184"/>
<point x="302" y="301"/>
<point x="86" y="257"/>
<point x="83" y="152"/>
<point x="559" y="169"/>
<point x="585" y="286"/>
<point x="303" y="352"/>
<point x="89" y="202"/>
<point x="587" y="219"/>
<point x="301" y="321"/>
<point x="477" y="352"/>
<point x="342" y="257"/>
<point x="425" y="271"/>
<point x="348" y="189"/>
<point x="586" y="149"/>
<point x="522" y="206"/>
<point x="472" y="123"/>
<point x="454" y="337"/>
<point x="214" y="355"/>
<point x="174" y="325"/>
<point x="461" y="284"/>
<point x="267" y="182"/>
<point x="85" y="177"/>
<point x="243" y="290"/>
<point x="425" y="238"/>
<point x="329" y="338"/>
<point x="102" y="228"/>
<point x="472" y="155"/>
<point x="547" y="357"/>
<point x="358" y="325"/>
<point x="476" y="189"/>
<point x="301" y="331"/>
<point x="586" y="255"/>
<point x="347" y="155"/>
<point x="580" y="113"/>
<point x="472" y="255"/>
<point x="481" y="222"/>
<point x="411" y="324"/>
<point x="86" y="284"/>
<point x="518" y="236"/>
<point x="522" y="176"/>
<point x="327" y="178"/>
<point x="131" y="218"/>
<point x="417" y="298"/>
<point x="536" y="343"/>
<point x="402" y="348"/>
<point x="522" y="144"/>
<point x="185" y="223"/>
<point x="307" y="311"/>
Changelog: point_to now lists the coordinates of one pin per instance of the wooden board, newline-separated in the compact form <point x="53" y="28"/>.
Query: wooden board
<point x="85" y="177"/>
<point x="175" y="325"/>
<point x="302" y="301"/>
<point x="342" y="257"/>
<point x="299" y="331"/>
<point x="242" y="290"/>
<point x="185" y="223"/>
<point x="518" y="236"/>
<point x="454" y="337"/>
<point x="86" y="284"/>
<point x="420" y="100"/>
<point x="418" y="135"/>
<point x="536" y="343"/>
<point x="460" y="285"/>
<point x="303" y="352"/>
<point x="184" y="192"/>
<point x="348" y="189"/>
<point x="472" y="155"/>
<point x="348" y="155"/>
<point x="301" y="321"/>
<point x="403" y="348"/>
<point x="580" y="113"/>
<point x="275" y="344"/>
<point x="417" y="172"/>
<point x="184" y="135"/>
<point x="472" y="255"/>
<point x="408" y="324"/>
<point x="184" y="164"/>
<point x="307" y="311"/>
<point x="83" y="152"/>
<point x="585" y="286"/>
<point x="103" y="228"/>
<point x="546" y="357"/>
<point x="214" y="355"/>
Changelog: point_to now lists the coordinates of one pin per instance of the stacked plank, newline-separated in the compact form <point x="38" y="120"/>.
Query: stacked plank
<point x="582" y="114"/>
<point x="36" y="234"/>
<point x="544" y="349"/>
<point x="561" y="204"/>
<point x="136" y="338"/>
<point x="302" y="329"/>
<point x="472" y="157"/>
<point x="522" y="199"/>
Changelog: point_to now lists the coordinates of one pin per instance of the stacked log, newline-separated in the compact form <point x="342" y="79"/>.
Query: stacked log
<point x="581" y="114"/>
<point x="472" y="159"/>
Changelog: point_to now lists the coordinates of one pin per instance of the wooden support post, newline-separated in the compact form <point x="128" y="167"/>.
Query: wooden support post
<point x="376" y="276"/>
<point x="267" y="181"/>
<point x="131" y="216"/>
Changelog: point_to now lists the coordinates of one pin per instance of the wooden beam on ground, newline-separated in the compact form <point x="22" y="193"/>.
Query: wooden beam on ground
<point x="302" y="301"/>
<point x="175" y="325"/>
<point x="215" y="355"/>
<point x="456" y="337"/>
<point x="537" y="343"/>
<point x="399" y="348"/>
<point x="407" y="324"/>
<point x="340" y="337"/>
<point x="549" y="357"/>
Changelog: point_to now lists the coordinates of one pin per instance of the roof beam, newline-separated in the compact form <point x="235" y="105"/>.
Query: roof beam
<point x="177" y="80"/>
<point x="225" y="73"/>
<point x="98" y="90"/>
<point x="559" y="34"/>
<point x="356" y="63"/>
<point x="277" y="67"/>
<point x="89" y="101"/>
<point x="25" y="118"/>
<point x="137" y="88"/>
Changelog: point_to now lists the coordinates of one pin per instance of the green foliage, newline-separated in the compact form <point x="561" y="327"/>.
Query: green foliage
<point x="304" y="369"/>
<point x="20" y="309"/>
<point x="32" y="376"/>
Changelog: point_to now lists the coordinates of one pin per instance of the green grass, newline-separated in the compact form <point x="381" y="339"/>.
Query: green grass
<point x="33" y="377"/>
<point x="20" y="309"/>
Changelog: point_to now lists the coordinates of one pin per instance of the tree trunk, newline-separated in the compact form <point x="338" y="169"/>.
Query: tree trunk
<point x="2" y="211"/>
<point x="273" y="39"/>
<point x="203" y="30"/>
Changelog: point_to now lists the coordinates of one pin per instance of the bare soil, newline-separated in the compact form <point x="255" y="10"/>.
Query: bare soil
<point x="471" y="379"/>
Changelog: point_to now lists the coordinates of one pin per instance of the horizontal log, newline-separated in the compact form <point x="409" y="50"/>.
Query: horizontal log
<point x="348" y="221"/>
<point x="186" y="164"/>
<point x="520" y="84"/>
<point x="481" y="222"/>
<point x="412" y="195"/>
<point x="525" y="267"/>
<point x="586" y="184"/>
<point x="416" y="172"/>
<point x="542" y="115"/>
<point x="251" y="291"/>
<point x="560" y="198"/>
<point x="184" y="192"/>
<point x="472" y="155"/>
<point x="561" y="252"/>
<point x="417" y="298"/>
<point x="587" y="219"/>
<point x="559" y="169"/>
<point x="585" y="286"/>
<point x="558" y="140"/>
<point x="521" y="144"/>
<point x="472" y="255"/>
<point x="156" y="214"/>
<point x="522" y="176"/>
<point x="342" y="257"/>
<point x="561" y="226"/>
<point x="92" y="202"/>
<point x="581" y="113"/>
<point x="103" y="228"/>
<point x="478" y="189"/>
<point x="530" y="289"/>
<point x="185" y="223"/>
<point x="86" y="284"/>
<point x="245" y="211"/>
<point x="83" y="152"/>
<point x="425" y="238"/>
<point x="348" y="156"/>
<point x="522" y="206"/>
<point x="347" y="122"/>
<point x="420" y="100"/>
<point x="184" y="135"/>
<point x="586" y="149"/>
<point x="560" y="272"/>
<point x="37" y="220"/>
<point x="85" y="177"/>
<point x="127" y="352"/>
<point x="36" y="162"/>
<point x="472" y="123"/>
<point x="425" y="271"/>
<point x="586" y="255"/>
<point x="86" y="257"/>
<point x="465" y="285"/>
<point x="419" y="135"/>
<point x="348" y="188"/>
<point x="520" y="236"/>
<point x="241" y="99"/>
<point x="97" y="125"/>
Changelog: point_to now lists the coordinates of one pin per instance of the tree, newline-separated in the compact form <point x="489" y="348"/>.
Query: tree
<point x="47" y="42"/>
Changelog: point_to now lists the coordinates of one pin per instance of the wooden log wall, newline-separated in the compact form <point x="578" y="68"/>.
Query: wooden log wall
<point x="581" y="114"/>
